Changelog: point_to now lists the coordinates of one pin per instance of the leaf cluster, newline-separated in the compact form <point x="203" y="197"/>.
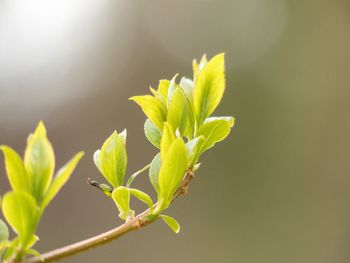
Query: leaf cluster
<point x="34" y="185"/>
<point x="180" y="125"/>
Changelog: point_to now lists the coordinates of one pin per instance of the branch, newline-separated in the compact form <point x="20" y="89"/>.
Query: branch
<point x="132" y="224"/>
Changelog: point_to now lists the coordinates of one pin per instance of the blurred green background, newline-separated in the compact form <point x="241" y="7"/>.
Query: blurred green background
<point x="277" y="190"/>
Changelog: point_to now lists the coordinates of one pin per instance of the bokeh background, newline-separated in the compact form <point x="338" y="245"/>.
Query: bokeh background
<point x="277" y="190"/>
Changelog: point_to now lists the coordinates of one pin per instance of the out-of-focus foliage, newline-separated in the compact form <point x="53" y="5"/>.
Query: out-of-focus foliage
<point x="33" y="188"/>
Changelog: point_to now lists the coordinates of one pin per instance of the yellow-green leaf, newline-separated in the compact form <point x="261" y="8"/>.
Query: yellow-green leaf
<point x="153" y="108"/>
<point x="198" y="67"/>
<point x="193" y="147"/>
<point x="167" y="139"/>
<point x="97" y="160"/>
<point x="171" y="90"/>
<point x="39" y="161"/>
<point x="152" y="133"/>
<point x="172" y="223"/>
<point x="62" y="176"/>
<point x="180" y="115"/>
<point x="113" y="159"/>
<point x="163" y="88"/>
<point x="213" y="132"/>
<point x="172" y="172"/>
<point x="230" y="120"/>
<point x="154" y="171"/>
<point x="209" y="88"/>
<point x="15" y="170"/>
<point x="121" y="197"/>
<point x="21" y="212"/>
<point x="4" y="232"/>
<point x="143" y="197"/>
<point x="187" y="86"/>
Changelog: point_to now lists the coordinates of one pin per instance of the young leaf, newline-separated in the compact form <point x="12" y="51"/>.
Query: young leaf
<point x="113" y="159"/>
<point x="143" y="197"/>
<point x="230" y="120"/>
<point x="171" y="90"/>
<point x="33" y="240"/>
<point x="187" y="86"/>
<point x="209" y="88"/>
<point x="172" y="223"/>
<point x="152" y="133"/>
<point x="4" y="232"/>
<point x="154" y="109"/>
<point x="172" y="172"/>
<point x="21" y="212"/>
<point x="163" y="88"/>
<point x="16" y="172"/>
<point x="203" y="62"/>
<point x="213" y="132"/>
<point x="39" y="161"/>
<point x="11" y="249"/>
<point x="157" y="95"/>
<point x="198" y="67"/>
<point x="193" y="147"/>
<point x="121" y="197"/>
<point x="123" y="136"/>
<point x="154" y="171"/>
<point x="179" y="114"/>
<point x="97" y="160"/>
<point x="167" y="139"/>
<point x="61" y="178"/>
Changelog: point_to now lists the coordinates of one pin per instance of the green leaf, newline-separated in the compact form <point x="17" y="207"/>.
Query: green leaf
<point x="21" y="212"/>
<point x="152" y="133"/>
<point x="157" y="95"/>
<point x="230" y="120"/>
<point x="121" y="197"/>
<point x="213" y="132"/>
<point x="12" y="248"/>
<point x="33" y="240"/>
<point x="154" y="109"/>
<point x="4" y="232"/>
<point x="123" y="136"/>
<point x="172" y="172"/>
<point x="180" y="115"/>
<point x="167" y="139"/>
<point x="142" y="196"/>
<point x="193" y="147"/>
<point x="163" y="88"/>
<point x="154" y="171"/>
<point x="3" y="245"/>
<point x="198" y="67"/>
<point x="209" y="88"/>
<point x="187" y="86"/>
<point x="172" y="223"/>
<point x="195" y="69"/>
<point x="106" y="189"/>
<point x="39" y="161"/>
<point x="15" y="170"/>
<point x="97" y="160"/>
<point x="171" y="90"/>
<point x="61" y="178"/>
<point x="113" y="159"/>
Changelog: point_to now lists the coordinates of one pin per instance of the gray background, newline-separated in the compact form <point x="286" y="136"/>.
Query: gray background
<point x="276" y="191"/>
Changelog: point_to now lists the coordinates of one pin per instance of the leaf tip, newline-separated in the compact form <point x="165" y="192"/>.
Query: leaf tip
<point x="40" y="129"/>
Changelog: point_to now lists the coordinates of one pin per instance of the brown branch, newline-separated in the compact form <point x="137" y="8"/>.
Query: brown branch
<point x="132" y="224"/>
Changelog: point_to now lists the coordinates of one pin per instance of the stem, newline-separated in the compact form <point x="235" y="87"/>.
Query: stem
<point x="135" y="223"/>
<point x="133" y="176"/>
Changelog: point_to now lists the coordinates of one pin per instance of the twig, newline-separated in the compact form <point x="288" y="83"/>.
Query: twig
<point x="132" y="224"/>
